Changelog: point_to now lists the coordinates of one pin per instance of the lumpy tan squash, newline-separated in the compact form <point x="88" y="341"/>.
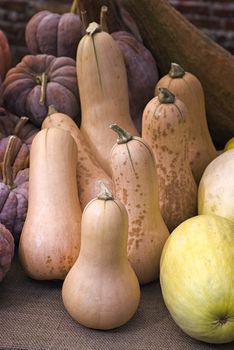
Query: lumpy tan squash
<point x="50" y="239"/>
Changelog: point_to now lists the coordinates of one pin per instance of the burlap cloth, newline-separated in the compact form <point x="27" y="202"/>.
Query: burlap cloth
<point x="32" y="317"/>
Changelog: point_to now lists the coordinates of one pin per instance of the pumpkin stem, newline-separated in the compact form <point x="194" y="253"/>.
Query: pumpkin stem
<point x="165" y="96"/>
<point x="123" y="135"/>
<point x="7" y="170"/>
<point x="103" y="18"/>
<point x="93" y="28"/>
<point x="176" y="71"/>
<point x="74" y="7"/>
<point x="51" y="110"/>
<point x="22" y="121"/>
<point x="104" y="194"/>
<point x="42" y="80"/>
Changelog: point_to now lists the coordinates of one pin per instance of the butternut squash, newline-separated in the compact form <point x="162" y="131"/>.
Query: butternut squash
<point x="171" y="37"/>
<point x="165" y="129"/>
<point x="136" y="186"/>
<point x="101" y="290"/>
<point x="102" y="81"/>
<point x="89" y="172"/>
<point x="187" y="87"/>
<point x="50" y="239"/>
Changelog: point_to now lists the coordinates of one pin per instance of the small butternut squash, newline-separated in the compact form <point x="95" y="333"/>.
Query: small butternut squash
<point x="89" y="172"/>
<point x="136" y="186"/>
<point x="187" y="87"/>
<point x="165" y="129"/>
<point x="103" y="88"/>
<point x="50" y="239"/>
<point x="101" y="290"/>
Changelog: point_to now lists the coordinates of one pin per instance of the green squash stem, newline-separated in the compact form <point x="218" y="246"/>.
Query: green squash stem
<point x="123" y="135"/>
<point x="165" y="96"/>
<point x="176" y="71"/>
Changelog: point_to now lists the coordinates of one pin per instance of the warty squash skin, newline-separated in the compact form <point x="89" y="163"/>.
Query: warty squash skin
<point x="136" y="186"/>
<point x="50" y="239"/>
<point x="187" y="87"/>
<point x="89" y="172"/>
<point x="103" y="89"/>
<point x="165" y="129"/>
<point x="101" y="290"/>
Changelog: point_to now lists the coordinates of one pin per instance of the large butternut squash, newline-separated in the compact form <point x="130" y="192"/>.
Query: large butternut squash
<point x="50" y="239"/>
<point x="165" y="129"/>
<point x="103" y="89"/>
<point x="187" y="87"/>
<point x="89" y="172"/>
<point x="136" y="185"/>
<point x="101" y="290"/>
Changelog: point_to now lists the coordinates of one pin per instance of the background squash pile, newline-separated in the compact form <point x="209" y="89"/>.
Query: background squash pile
<point x="102" y="159"/>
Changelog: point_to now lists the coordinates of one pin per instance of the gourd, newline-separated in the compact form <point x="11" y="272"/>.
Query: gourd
<point x="89" y="172"/>
<point x="101" y="290"/>
<point x="187" y="88"/>
<point x="103" y="90"/>
<point x="5" y="55"/>
<point x="136" y="186"/>
<point x="172" y="38"/>
<point x="50" y="239"/>
<point x="13" y="185"/>
<point x="54" y="34"/>
<point x="165" y="129"/>
<point x="38" y="81"/>
<point x="7" y="249"/>
<point x="216" y="188"/>
<point x="196" y="277"/>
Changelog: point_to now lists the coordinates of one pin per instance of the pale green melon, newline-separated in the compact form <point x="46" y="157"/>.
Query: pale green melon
<point x="197" y="278"/>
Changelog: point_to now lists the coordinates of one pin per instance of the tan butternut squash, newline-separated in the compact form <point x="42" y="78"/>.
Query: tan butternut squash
<point x="136" y="185"/>
<point x="50" y="239"/>
<point x="89" y="172"/>
<point x="103" y="89"/>
<point x="187" y="87"/>
<point x="101" y="290"/>
<point x="165" y="129"/>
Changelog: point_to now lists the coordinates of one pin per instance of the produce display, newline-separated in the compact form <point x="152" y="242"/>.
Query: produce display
<point x="110" y="178"/>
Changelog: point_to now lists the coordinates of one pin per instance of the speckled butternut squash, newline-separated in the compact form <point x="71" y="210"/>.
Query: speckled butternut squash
<point x="165" y="129"/>
<point x="136" y="185"/>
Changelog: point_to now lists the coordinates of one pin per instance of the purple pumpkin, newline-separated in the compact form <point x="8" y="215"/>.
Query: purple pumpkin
<point x="6" y="250"/>
<point x="13" y="184"/>
<point x="39" y="81"/>
<point x="54" y="34"/>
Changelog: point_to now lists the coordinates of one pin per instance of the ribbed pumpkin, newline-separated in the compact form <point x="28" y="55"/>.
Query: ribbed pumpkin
<point x="5" y="55"/>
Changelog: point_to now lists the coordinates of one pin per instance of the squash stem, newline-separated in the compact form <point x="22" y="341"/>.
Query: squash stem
<point x="123" y="135"/>
<point x="51" y="110"/>
<point x="22" y="121"/>
<point x="103" y="18"/>
<point x="74" y="7"/>
<point x="93" y="28"/>
<point x="84" y="19"/>
<point x="42" y="81"/>
<point x="176" y="71"/>
<point x="7" y="170"/>
<point x="104" y="194"/>
<point x="165" y="96"/>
